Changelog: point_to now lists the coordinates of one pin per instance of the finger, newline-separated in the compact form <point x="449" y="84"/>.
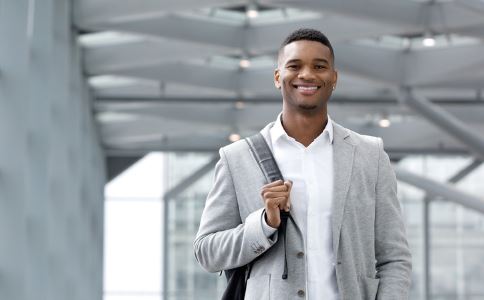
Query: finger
<point x="289" y="187"/>
<point x="274" y="183"/>
<point x="279" y="188"/>
<point x="276" y="202"/>
<point x="268" y="195"/>
<point x="271" y="193"/>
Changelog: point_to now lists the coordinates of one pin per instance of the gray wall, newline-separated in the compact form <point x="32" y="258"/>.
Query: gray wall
<point x="52" y="169"/>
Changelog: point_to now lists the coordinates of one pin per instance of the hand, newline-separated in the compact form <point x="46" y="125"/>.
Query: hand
<point x="276" y="196"/>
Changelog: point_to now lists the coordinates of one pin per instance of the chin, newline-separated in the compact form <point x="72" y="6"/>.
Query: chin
<point x="307" y="106"/>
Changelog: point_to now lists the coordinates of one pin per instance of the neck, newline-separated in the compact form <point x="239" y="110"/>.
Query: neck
<point x="304" y="128"/>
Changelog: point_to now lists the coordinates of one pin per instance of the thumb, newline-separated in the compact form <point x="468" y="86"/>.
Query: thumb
<point x="288" y="183"/>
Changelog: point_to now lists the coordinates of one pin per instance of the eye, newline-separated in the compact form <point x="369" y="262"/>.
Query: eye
<point x="292" y="67"/>
<point x="320" y="67"/>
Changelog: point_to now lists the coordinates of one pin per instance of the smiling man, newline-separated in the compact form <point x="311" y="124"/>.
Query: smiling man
<point x="347" y="240"/>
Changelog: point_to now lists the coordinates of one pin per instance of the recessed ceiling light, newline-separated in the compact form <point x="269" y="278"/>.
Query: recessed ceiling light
<point x="239" y="105"/>
<point x="244" y="63"/>
<point x="384" y="122"/>
<point x="252" y="11"/>
<point x="428" y="40"/>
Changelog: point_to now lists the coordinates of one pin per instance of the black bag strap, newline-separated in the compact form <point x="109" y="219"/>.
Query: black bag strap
<point x="263" y="154"/>
<point x="264" y="157"/>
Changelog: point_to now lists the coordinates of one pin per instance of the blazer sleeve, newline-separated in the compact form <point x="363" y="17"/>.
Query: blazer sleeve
<point x="224" y="241"/>
<point x="393" y="258"/>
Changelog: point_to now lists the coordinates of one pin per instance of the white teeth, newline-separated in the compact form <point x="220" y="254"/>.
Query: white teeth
<point x="307" y="88"/>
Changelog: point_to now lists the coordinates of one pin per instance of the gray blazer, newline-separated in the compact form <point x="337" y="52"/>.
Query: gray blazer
<point x="373" y="260"/>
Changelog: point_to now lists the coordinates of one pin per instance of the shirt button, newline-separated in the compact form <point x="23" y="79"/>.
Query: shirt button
<point x="301" y="293"/>
<point x="300" y="254"/>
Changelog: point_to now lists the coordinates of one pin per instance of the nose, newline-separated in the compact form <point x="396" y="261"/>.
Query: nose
<point x="306" y="73"/>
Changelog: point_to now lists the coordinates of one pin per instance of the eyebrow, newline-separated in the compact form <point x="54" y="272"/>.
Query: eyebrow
<point x="316" y="59"/>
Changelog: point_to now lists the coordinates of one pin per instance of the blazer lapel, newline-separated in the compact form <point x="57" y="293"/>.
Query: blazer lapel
<point x="343" y="154"/>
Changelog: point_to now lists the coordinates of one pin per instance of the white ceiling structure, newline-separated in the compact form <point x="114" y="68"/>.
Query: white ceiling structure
<point x="167" y="75"/>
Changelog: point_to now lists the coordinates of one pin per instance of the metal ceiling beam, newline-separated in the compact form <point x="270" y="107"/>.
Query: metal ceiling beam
<point x="184" y="28"/>
<point x="191" y="179"/>
<point x="444" y="120"/>
<point x="88" y="13"/>
<point x="146" y="52"/>
<point x="340" y="29"/>
<point x="392" y="12"/>
<point x="447" y="65"/>
<point x="193" y="74"/>
<point x="380" y="64"/>
<point x="443" y="190"/>
<point x="465" y="171"/>
<point x="416" y="17"/>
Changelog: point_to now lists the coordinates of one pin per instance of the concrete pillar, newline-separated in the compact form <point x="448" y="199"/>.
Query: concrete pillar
<point x="52" y="170"/>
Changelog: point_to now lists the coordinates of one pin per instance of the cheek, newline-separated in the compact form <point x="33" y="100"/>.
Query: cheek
<point x="285" y="82"/>
<point x="328" y="82"/>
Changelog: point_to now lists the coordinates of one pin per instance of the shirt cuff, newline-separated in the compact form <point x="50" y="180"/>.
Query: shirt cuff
<point x="268" y="230"/>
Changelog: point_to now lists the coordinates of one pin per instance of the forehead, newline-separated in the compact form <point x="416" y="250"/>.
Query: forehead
<point x="305" y="50"/>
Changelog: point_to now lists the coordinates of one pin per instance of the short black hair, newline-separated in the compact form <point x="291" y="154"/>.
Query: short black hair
<point x="307" y="34"/>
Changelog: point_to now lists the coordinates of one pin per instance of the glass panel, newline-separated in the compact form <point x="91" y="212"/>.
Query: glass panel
<point x="187" y="280"/>
<point x="456" y="233"/>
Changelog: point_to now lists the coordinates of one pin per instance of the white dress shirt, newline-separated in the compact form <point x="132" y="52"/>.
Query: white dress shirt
<point x="311" y="171"/>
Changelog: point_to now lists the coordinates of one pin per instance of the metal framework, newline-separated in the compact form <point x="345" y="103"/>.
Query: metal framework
<point x="182" y="53"/>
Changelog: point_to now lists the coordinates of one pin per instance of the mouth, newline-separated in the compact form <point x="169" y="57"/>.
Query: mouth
<point x="307" y="89"/>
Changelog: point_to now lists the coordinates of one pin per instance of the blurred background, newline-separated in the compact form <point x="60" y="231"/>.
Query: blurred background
<point x="112" y="112"/>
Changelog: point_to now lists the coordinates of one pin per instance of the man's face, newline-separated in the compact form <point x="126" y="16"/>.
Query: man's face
<point x="305" y="75"/>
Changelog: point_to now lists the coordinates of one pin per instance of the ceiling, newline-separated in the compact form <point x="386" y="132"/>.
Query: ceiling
<point x="167" y="75"/>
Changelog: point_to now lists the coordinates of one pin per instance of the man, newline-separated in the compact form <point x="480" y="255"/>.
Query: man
<point x="348" y="239"/>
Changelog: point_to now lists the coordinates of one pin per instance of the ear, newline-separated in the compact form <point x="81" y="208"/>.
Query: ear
<point x="335" y="78"/>
<point x="277" y="76"/>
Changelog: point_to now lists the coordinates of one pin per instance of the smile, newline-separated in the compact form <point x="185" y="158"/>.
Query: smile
<point x="306" y="87"/>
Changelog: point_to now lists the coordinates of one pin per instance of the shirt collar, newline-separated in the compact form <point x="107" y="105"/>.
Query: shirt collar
<point x="277" y="131"/>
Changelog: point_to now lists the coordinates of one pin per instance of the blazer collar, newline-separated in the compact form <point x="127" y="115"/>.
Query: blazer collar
<point x="274" y="130"/>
